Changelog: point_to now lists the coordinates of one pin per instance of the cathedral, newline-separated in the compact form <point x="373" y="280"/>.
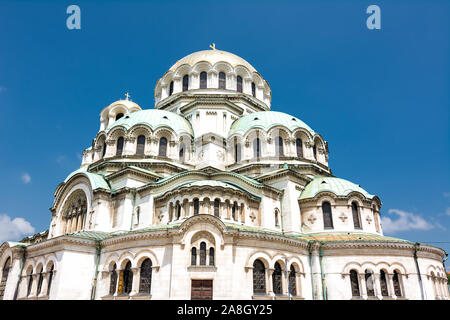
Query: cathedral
<point x="211" y="195"/>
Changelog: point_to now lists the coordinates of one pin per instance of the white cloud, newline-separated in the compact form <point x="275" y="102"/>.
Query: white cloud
<point x="26" y="178"/>
<point x="406" y="221"/>
<point x="447" y="194"/>
<point x="14" y="230"/>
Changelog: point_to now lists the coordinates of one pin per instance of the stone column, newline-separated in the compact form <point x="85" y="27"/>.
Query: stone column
<point x="135" y="284"/>
<point x="377" y="286"/>
<point x="269" y="282"/>
<point x="362" y="283"/>
<point x="390" y="285"/>
<point x="33" y="292"/>
<point x="117" y="282"/>
<point x="44" y="286"/>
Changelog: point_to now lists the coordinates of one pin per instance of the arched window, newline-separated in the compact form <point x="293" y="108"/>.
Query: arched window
<point x="50" y="279"/>
<point x="279" y="148"/>
<point x="239" y="84"/>
<point x="383" y="284"/>
<point x="257" y="148"/>
<point x="216" y="207"/>
<point x="104" y="149"/>
<point x="170" y="88"/>
<point x="140" y="145"/>
<point x="299" y="147"/>
<point x="30" y="283"/>
<point x="39" y="284"/>
<point x="259" y="277"/>
<point x="237" y="152"/>
<point x="119" y="149"/>
<point x="369" y="283"/>
<point x="118" y="116"/>
<point x="162" y="147"/>
<point x="185" y="82"/>
<point x="181" y="153"/>
<point x="327" y="216"/>
<point x="145" y="282"/>
<point x="5" y="273"/>
<point x="222" y="80"/>
<point x="202" y="253"/>
<point x="315" y="152"/>
<point x="253" y="89"/>
<point x="396" y="283"/>
<point x="292" y="281"/>
<point x="113" y="281"/>
<point x="127" y="278"/>
<point x="233" y="211"/>
<point x="354" y="283"/>
<point x="276" y="279"/>
<point x="355" y="213"/>
<point x="193" y="256"/>
<point x="277" y="221"/>
<point x="196" y="206"/>
<point x="211" y="256"/>
<point x="178" y="211"/>
<point x="203" y="80"/>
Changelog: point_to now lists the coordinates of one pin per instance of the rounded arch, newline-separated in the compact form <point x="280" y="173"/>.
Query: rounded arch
<point x="263" y="256"/>
<point x="203" y="222"/>
<point x="49" y="262"/>
<point x="117" y="132"/>
<point x="112" y="259"/>
<point x="352" y="266"/>
<point x="124" y="258"/>
<point x="202" y="66"/>
<point x="144" y="254"/>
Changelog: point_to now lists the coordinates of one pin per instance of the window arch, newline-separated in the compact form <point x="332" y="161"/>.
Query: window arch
<point x="118" y="116"/>
<point x="253" y="89"/>
<point x="40" y="280"/>
<point x="315" y="152"/>
<point x="354" y="283"/>
<point x="196" y="206"/>
<point x="369" y="283"/>
<point x="211" y="256"/>
<point x="203" y="80"/>
<point x="202" y="253"/>
<point x="30" y="283"/>
<point x="145" y="281"/>
<point x="277" y="222"/>
<point x="216" y="207"/>
<point x="113" y="280"/>
<point x="259" y="277"/>
<point x="170" y="88"/>
<point x="396" y="283"/>
<point x="119" y="148"/>
<point x="279" y="147"/>
<point x="50" y="279"/>
<point x="162" y="147"/>
<point x="233" y="211"/>
<point x="127" y="278"/>
<point x="292" y="282"/>
<point x="276" y="279"/>
<point x="327" y="215"/>
<point x="222" y="80"/>
<point x="356" y="217"/>
<point x="299" y="147"/>
<point x="193" y="256"/>
<point x="104" y="149"/>
<point x="185" y="82"/>
<point x="237" y="152"/>
<point x="239" y="84"/>
<point x="181" y="156"/>
<point x="257" y="148"/>
<point x="383" y="284"/>
<point x="178" y="211"/>
<point x="5" y="273"/>
<point x="140" y="147"/>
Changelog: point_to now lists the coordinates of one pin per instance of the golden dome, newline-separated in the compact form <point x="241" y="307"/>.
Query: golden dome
<point x="212" y="56"/>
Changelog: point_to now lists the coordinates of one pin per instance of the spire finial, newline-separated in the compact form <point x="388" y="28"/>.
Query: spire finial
<point x="213" y="46"/>
<point x="127" y="96"/>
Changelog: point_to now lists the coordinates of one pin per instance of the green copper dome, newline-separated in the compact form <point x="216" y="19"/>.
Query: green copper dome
<point x="266" y="120"/>
<point x="339" y="187"/>
<point x="154" y="118"/>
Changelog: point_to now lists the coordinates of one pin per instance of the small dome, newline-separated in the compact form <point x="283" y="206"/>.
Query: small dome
<point x="340" y="187"/>
<point x="212" y="56"/>
<point x="266" y="120"/>
<point x="154" y="119"/>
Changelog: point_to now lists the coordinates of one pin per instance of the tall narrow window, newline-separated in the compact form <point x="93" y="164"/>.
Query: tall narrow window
<point x="257" y="148"/>
<point x="104" y="149"/>
<point x="113" y="281"/>
<point x="277" y="221"/>
<point x="127" y="278"/>
<point x="383" y="284"/>
<point x="193" y="256"/>
<point x="162" y="147"/>
<point x="396" y="283"/>
<point x="259" y="277"/>
<point x="140" y="145"/>
<point x="276" y="279"/>
<point x="202" y="253"/>
<point x="279" y="148"/>
<point x="30" y="283"/>
<point x="145" y="282"/>
<point x="181" y="153"/>
<point x="178" y="211"/>
<point x="315" y="152"/>
<point x="355" y="213"/>
<point x="237" y="152"/>
<point x="239" y="84"/>
<point x="118" y="116"/>
<point x="292" y="282"/>
<point x="39" y="284"/>
<point x="119" y="149"/>
<point x="369" y="283"/>
<point x="233" y="211"/>
<point x="203" y="80"/>
<point x="170" y="88"/>
<point x="327" y="216"/>
<point x="253" y="89"/>
<point x="354" y="283"/>
<point x="211" y="256"/>
<point x="222" y="80"/>
<point x="216" y="207"/>
<point x="196" y="206"/>
<point x="299" y="147"/>
<point x="5" y="273"/>
<point x="185" y="82"/>
<point x="50" y="279"/>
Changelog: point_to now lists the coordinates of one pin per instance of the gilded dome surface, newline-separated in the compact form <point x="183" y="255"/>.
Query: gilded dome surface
<point x="212" y="56"/>
<point x="338" y="186"/>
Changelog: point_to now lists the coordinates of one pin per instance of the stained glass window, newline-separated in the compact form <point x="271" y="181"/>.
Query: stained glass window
<point x="162" y="147"/>
<point x="211" y="256"/>
<point x="369" y="283"/>
<point x="239" y="84"/>
<point x="327" y="216"/>
<point x="203" y="80"/>
<point x="354" y="283"/>
<point x="193" y="256"/>
<point x="140" y="145"/>
<point x="259" y="277"/>
<point x="127" y="278"/>
<point x="299" y="146"/>
<point x="119" y="149"/>
<point x="383" y="284"/>
<point x="113" y="281"/>
<point x="292" y="282"/>
<point x="276" y="279"/>
<point x="396" y="282"/>
<point x="222" y="80"/>
<point x="145" y="282"/>
<point x="202" y="253"/>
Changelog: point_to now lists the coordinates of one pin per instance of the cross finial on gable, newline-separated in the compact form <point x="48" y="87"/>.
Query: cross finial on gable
<point x="127" y="96"/>
<point x="213" y="46"/>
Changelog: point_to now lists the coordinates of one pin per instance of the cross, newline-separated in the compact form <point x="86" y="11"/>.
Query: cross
<point x="253" y="217"/>
<point x="368" y="219"/>
<point x="343" y="217"/>
<point x="311" y="219"/>
<point x="127" y="95"/>
<point x="213" y="46"/>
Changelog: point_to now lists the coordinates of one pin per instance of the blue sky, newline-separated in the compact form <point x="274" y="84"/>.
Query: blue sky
<point x="379" y="97"/>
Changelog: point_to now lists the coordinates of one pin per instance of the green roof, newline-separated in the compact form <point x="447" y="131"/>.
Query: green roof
<point x="338" y="186"/>
<point x="266" y="120"/>
<point x="97" y="181"/>
<point x="154" y="118"/>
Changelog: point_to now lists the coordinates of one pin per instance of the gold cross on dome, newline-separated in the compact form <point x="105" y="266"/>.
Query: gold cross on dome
<point x="213" y="46"/>
<point x="127" y="95"/>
